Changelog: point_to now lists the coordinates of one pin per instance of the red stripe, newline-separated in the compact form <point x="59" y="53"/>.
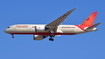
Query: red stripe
<point x="46" y="33"/>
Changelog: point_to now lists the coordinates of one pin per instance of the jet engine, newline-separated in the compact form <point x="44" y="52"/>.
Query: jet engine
<point x="38" y="37"/>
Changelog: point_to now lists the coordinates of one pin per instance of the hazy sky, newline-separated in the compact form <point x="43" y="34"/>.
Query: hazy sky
<point x="83" y="46"/>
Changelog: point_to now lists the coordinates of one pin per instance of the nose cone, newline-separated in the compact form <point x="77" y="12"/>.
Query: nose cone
<point x="6" y="30"/>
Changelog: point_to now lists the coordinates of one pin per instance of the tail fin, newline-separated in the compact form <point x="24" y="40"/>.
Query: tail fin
<point x="90" y="20"/>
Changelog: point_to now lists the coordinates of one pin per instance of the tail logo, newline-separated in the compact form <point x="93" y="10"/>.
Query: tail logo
<point x="88" y="22"/>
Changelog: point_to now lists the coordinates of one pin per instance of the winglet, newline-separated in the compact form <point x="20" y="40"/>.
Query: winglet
<point x="70" y="11"/>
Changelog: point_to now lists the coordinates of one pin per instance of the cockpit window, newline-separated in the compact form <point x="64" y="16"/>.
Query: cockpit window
<point x="8" y="27"/>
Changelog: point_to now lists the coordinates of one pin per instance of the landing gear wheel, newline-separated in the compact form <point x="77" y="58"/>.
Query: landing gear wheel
<point x="51" y="39"/>
<point x="12" y="36"/>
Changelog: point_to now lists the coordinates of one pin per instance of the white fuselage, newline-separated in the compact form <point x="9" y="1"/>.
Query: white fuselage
<point x="54" y="28"/>
<point x="39" y="29"/>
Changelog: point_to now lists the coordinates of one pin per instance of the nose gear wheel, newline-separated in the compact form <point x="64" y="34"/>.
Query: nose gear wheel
<point x="12" y="35"/>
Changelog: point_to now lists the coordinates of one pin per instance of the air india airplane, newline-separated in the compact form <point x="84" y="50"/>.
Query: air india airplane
<point x="54" y="28"/>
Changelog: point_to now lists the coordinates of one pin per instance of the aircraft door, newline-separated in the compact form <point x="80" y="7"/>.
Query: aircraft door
<point x="31" y="29"/>
<point x="39" y="28"/>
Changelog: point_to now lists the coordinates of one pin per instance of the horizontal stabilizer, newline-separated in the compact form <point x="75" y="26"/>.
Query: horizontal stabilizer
<point x="95" y="25"/>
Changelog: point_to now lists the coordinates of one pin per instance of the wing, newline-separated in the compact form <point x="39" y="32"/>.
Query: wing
<point x="60" y="19"/>
<point x="53" y="25"/>
<point x="39" y="37"/>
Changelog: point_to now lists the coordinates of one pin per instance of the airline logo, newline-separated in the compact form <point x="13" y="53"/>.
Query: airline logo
<point x="90" y="20"/>
<point x="22" y="26"/>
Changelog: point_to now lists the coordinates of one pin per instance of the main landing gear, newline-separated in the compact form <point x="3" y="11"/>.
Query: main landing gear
<point x="12" y="35"/>
<point x="51" y="36"/>
<point x="51" y="39"/>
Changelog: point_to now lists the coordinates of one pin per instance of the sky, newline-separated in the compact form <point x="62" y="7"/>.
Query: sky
<point x="89" y="45"/>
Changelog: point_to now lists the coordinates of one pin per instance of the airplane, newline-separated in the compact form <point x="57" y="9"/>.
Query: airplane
<point x="54" y="28"/>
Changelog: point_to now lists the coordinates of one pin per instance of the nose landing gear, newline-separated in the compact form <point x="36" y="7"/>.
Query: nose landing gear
<point x="12" y="35"/>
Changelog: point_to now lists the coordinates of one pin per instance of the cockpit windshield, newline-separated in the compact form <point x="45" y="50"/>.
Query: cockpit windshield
<point x="8" y="27"/>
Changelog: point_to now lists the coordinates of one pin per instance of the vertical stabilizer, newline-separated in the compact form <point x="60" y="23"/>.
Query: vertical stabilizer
<point x="90" y="20"/>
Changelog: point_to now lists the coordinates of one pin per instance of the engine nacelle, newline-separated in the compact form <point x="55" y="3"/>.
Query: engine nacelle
<point x="38" y="37"/>
<point x="40" y="28"/>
